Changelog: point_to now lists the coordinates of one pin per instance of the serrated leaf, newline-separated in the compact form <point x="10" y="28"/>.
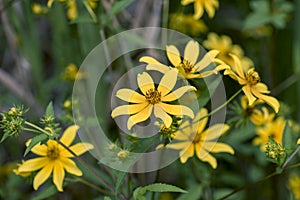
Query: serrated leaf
<point x="49" y="110"/>
<point x="139" y="193"/>
<point x="34" y="141"/>
<point x="119" y="6"/>
<point x="46" y="193"/>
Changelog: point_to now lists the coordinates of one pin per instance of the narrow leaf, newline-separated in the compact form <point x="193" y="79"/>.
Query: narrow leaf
<point x="49" y="110"/>
<point x="45" y="194"/>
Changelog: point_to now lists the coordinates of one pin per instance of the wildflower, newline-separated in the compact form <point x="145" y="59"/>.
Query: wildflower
<point x="202" y="141"/>
<point x="187" y="24"/>
<point x="72" y="10"/>
<point x="256" y="116"/>
<point x="153" y="99"/>
<point x="298" y="141"/>
<point x="38" y="9"/>
<point x="55" y="159"/>
<point x="188" y="66"/>
<point x="272" y="129"/>
<point x="224" y="45"/>
<point x="71" y="73"/>
<point x="252" y="87"/>
<point x="294" y="185"/>
<point x="199" y="5"/>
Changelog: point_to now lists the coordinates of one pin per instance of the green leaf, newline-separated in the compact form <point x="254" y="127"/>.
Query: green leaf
<point x="5" y="136"/>
<point x="288" y="141"/>
<point x="34" y="141"/>
<point x="45" y="194"/>
<point x="120" y="177"/>
<point x="139" y="193"/>
<point x="49" y="110"/>
<point x="119" y="6"/>
<point x="107" y="198"/>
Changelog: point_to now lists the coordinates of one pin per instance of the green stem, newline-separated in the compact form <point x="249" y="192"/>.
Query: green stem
<point x="217" y="109"/>
<point x="31" y="130"/>
<point x="89" y="184"/>
<point x="291" y="157"/>
<point x="37" y="128"/>
<point x="258" y="182"/>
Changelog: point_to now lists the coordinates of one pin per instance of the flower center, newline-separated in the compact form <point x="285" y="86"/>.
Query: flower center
<point x="53" y="152"/>
<point x="197" y="138"/>
<point x="187" y="66"/>
<point x="153" y="96"/>
<point x="252" y="77"/>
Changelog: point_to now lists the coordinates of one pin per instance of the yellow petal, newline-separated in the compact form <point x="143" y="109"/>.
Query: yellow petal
<point x="40" y="149"/>
<point x="200" y="125"/>
<point x="210" y="9"/>
<point x="69" y="135"/>
<point x="177" y="109"/>
<point x="130" y="96"/>
<point x="198" y="9"/>
<point x="58" y="175"/>
<point x="186" y="154"/>
<point x="160" y="113"/>
<point x="128" y="109"/>
<point x="215" y="131"/>
<point x="49" y="3"/>
<point x="70" y="166"/>
<point x="33" y="164"/>
<point x="298" y="141"/>
<point x="173" y="55"/>
<point x="206" y="60"/>
<point x="185" y="2"/>
<point x="249" y="95"/>
<point x="206" y="157"/>
<point x="167" y="82"/>
<point x="271" y="101"/>
<point x="81" y="148"/>
<point x="178" y="93"/>
<point x="262" y="88"/>
<point x="179" y="145"/>
<point x="153" y="64"/>
<point x="141" y="116"/>
<point x="145" y="82"/>
<point x="191" y="52"/>
<point x="221" y="147"/>
<point x="238" y="66"/>
<point x="184" y="135"/>
<point x="43" y="175"/>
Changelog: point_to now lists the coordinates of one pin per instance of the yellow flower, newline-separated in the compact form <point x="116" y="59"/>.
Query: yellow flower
<point x="224" y="45"/>
<point x="294" y="185"/>
<point x="154" y="99"/>
<point x="72" y="10"/>
<point x="188" y="66"/>
<point x="187" y="24"/>
<point x="272" y="129"/>
<point x="202" y="142"/>
<point x="38" y="9"/>
<point x="298" y="141"/>
<point x="252" y="87"/>
<point x="256" y="116"/>
<point x="55" y="159"/>
<point x="199" y="5"/>
<point x="71" y="73"/>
